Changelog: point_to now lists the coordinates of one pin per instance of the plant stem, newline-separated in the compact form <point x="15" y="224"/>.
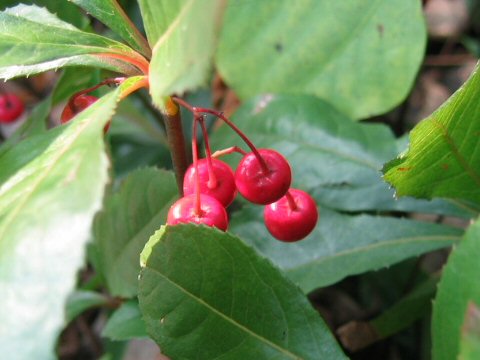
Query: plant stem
<point x="176" y="142"/>
<point x="291" y="201"/>
<point x="212" y="179"/>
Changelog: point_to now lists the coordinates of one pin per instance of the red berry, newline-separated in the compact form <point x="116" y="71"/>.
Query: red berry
<point x="11" y="107"/>
<point x="77" y="105"/>
<point x="287" y="223"/>
<point x="223" y="188"/>
<point x="212" y="212"/>
<point x="260" y="186"/>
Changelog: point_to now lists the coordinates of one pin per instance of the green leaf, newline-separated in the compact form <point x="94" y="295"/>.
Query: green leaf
<point x="63" y="9"/>
<point x="111" y="14"/>
<point x="459" y="285"/>
<point x="342" y="245"/>
<point x="33" y="40"/>
<point x="127" y="221"/>
<point x="125" y="323"/>
<point x="182" y="45"/>
<point x="362" y="56"/>
<point x="470" y="341"/>
<point x="442" y="160"/>
<point x="47" y="204"/>
<point x="81" y="300"/>
<point x="337" y="159"/>
<point x="407" y="310"/>
<point x="206" y="295"/>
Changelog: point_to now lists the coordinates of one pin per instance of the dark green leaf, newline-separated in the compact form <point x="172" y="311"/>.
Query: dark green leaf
<point x="361" y="56"/>
<point x="409" y="309"/>
<point x="124" y="226"/>
<point x="111" y="14"/>
<point x="125" y="323"/>
<point x="81" y="300"/>
<point x="182" y="44"/>
<point x="338" y="160"/>
<point x="47" y="204"/>
<point x="342" y="245"/>
<point x="443" y="160"/>
<point x="206" y="295"/>
<point x="33" y="40"/>
<point x="458" y="286"/>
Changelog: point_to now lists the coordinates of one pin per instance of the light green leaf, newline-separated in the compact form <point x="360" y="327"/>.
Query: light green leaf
<point x="81" y="300"/>
<point x="459" y="285"/>
<point x="111" y="14"/>
<point x="361" y="56"/>
<point x="32" y="40"/>
<point x="125" y="323"/>
<point x="338" y="160"/>
<point x="182" y="44"/>
<point x="443" y="159"/>
<point x="342" y="245"/>
<point x="206" y="295"/>
<point x="124" y="226"/>
<point x="470" y="341"/>
<point x="47" y="204"/>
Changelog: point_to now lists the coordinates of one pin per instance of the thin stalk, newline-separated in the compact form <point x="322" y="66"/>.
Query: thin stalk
<point x="176" y="142"/>
<point x="198" y="207"/>
<point x="291" y="201"/>
<point x="227" y="151"/>
<point x="220" y="115"/>
<point x="212" y="179"/>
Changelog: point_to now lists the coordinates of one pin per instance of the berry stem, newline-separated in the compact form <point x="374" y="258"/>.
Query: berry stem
<point x="198" y="208"/>
<point x="227" y="151"/>
<point x="234" y="127"/>
<point x="291" y="201"/>
<point x="212" y="179"/>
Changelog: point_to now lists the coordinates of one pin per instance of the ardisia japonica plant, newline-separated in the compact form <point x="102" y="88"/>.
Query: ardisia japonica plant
<point x="108" y="223"/>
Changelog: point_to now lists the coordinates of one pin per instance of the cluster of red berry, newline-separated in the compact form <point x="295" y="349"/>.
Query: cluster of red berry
<point x="263" y="177"/>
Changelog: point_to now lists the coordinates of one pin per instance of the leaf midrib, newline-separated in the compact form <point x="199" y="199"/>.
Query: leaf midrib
<point x="369" y="247"/>
<point x="228" y="319"/>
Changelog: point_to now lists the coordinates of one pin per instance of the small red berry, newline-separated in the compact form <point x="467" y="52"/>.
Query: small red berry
<point x="222" y="188"/>
<point x="77" y="105"/>
<point x="260" y="186"/>
<point x="212" y="212"/>
<point x="291" y="219"/>
<point x="11" y="107"/>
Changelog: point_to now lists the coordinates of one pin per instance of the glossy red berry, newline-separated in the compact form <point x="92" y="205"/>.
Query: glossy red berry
<point x="75" y="106"/>
<point x="11" y="107"/>
<point x="291" y="223"/>
<point x="221" y="188"/>
<point x="212" y="212"/>
<point x="260" y="186"/>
